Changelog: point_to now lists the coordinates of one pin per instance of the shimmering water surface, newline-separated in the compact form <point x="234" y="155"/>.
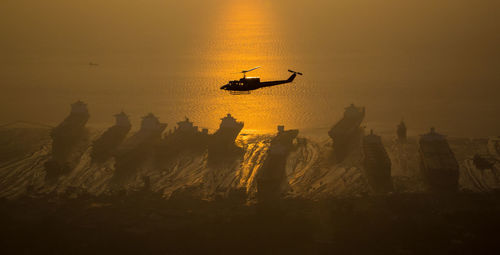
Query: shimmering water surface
<point x="435" y="64"/>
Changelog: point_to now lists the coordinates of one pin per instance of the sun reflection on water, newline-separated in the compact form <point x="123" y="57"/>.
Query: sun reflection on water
<point x="245" y="36"/>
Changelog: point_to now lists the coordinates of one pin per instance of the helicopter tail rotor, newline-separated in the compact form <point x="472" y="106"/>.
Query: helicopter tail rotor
<point x="292" y="71"/>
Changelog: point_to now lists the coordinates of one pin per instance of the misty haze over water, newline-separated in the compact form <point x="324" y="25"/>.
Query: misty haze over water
<point x="433" y="63"/>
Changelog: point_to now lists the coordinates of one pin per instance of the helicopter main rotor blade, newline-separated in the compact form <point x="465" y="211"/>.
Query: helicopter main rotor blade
<point x="246" y="71"/>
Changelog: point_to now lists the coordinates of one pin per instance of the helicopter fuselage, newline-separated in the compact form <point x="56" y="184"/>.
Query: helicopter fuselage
<point x="253" y="83"/>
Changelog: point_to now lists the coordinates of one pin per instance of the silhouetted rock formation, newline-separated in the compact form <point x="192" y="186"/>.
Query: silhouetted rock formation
<point x="272" y="180"/>
<point x="377" y="164"/>
<point x="347" y="132"/>
<point x="438" y="163"/>
<point x="69" y="140"/>
<point x="221" y="146"/>
<point x="138" y="148"/>
<point x="184" y="138"/>
<point x="402" y="132"/>
<point x="105" y="146"/>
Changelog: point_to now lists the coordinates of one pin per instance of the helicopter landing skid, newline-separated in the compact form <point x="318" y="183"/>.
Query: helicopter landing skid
<point x="239" y="92"/>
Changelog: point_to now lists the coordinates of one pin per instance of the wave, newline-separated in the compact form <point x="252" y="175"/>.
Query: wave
<point x="310" y="173"/>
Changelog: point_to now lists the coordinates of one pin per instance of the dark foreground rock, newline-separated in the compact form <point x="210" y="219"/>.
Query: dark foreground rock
<point x="144" y="223"/>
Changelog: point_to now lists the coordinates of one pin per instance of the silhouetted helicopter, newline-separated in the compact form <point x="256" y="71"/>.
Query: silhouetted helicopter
<point x="252" y="83"/>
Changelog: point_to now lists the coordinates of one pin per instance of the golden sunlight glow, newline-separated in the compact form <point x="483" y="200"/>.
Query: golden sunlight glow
<point x="246" y="36"/>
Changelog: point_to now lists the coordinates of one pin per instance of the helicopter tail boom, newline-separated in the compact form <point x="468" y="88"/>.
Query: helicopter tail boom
<point x="273" y="83"/>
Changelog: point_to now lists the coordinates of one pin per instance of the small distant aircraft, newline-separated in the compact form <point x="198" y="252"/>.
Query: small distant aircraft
<point x="93" y="64"/>
<point x="247" y="84"/>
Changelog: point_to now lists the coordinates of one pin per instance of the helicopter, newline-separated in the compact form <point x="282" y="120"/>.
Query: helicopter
<point x="246" y="84"/>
